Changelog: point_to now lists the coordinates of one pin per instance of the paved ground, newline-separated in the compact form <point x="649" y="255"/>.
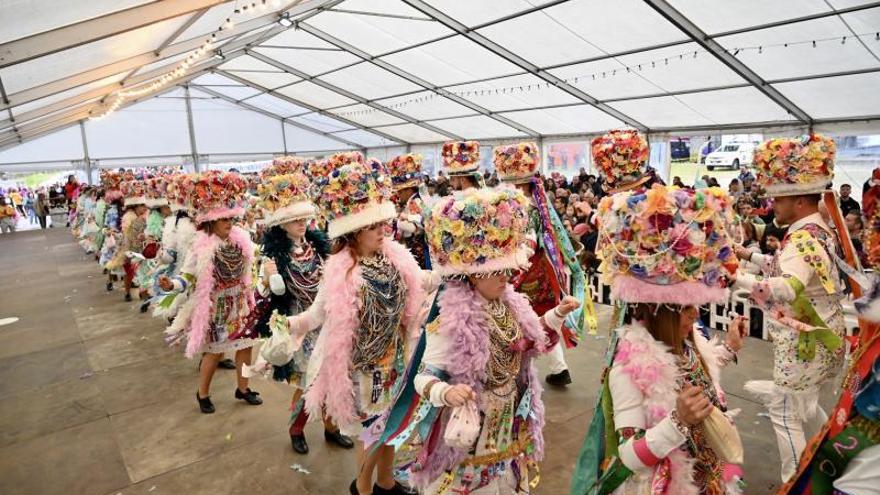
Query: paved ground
<point x="92" y="402"/>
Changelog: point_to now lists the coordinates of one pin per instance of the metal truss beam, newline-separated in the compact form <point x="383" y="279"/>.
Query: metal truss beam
<point x="131" y="63"/>
<point x="413" y="79"/>
<point x="520" y="62"/>
<point x="275" y="116"/>
<point x="348" y="94"/>
<point x="713" y="47"/>
<point x="97" y="28"/>
<point x="308" y="106"/>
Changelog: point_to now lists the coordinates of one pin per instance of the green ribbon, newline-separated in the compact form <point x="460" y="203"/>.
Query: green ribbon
<point x="833" y="457"/>
<point x="806" y="313"/>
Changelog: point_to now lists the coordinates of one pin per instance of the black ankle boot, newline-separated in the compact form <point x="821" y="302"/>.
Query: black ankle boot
<point x="560" y="379"/>
<point x="226" y="364"/>
<point x="299" y="444"/>
<point x="127" y="297"/>
<point x="397" y="489"/>
<point x="205" y="404"/>
<point x="249" y="396"/>
<point x="339" y="439"/>
<point x="145" y="306"/>
<point x="109" y="286"/>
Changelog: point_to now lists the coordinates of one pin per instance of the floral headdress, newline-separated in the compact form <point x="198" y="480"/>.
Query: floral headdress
<point x="157" y="190"/>
<point x="790" y="167"/>
<point x="178" y="185"/>
<point x="284" y="165"/>
<point x="620" y="157"/>
<point x="406" y="171"/>
<point x="668" y="245"/>
<point x="517" y="163"/>
<point x="478" y="231"/>
<point x="111" y="181"/>
<point x="461" y="157"/>
<point x="284" y="198"/>
<point x="355" y="194"/>
<point x="214" y="195"/>
<point x="134" y="190"/>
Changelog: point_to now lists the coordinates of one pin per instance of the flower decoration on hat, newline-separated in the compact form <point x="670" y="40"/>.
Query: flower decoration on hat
<point x="134" y="190"/>
<point x="621" y="158"/>
<point x="284" y="198"/>
<point x="157" y="190"/>
<point x="214" y="195"/>
<point x="460" y="157"/>
<point x="517" y="163"/>
<point x="668" y="245"/>
<point x="478" y="231"/>
<point x="355" y="194"/>
<point x="178" y="185"/>
<point x="406" y="171"/>
<point x="789" y="167"/>
<point x="284" y="165"/>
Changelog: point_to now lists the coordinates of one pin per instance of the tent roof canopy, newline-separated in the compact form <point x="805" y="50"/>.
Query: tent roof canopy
<point x="367" y="73"/>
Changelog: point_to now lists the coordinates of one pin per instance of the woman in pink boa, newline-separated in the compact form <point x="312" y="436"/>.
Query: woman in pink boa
<point x="370" y="310"/>
<point x="216" y="280"/>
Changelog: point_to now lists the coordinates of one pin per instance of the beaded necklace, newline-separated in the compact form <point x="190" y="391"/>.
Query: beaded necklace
<point x="303" y="275"/>
<point x="383" y="297"/>
<point x="503" y="364"/>
<point x="228" y="262"/>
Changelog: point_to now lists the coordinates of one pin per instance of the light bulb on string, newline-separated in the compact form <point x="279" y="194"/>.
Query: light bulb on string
<point x="228" y="24"/>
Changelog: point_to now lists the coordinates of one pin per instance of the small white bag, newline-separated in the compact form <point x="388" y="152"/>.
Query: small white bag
<point x="463" y="427"/>
<point x="279" y="349"/>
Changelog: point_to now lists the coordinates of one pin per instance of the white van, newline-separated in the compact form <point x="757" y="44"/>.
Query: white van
<point x="731" y="155"/>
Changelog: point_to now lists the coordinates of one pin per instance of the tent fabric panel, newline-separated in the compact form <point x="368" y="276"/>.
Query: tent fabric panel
<point x="157" y="126"/>
<point x="412" y="133"/>
<point x="513" y="93"/>
<point x="65" y="144"/>
<point x="23" y="18"/>
<point x="477" y="12"/>
<point x="313" y="94"/>
<point x="77" y="59"/>
<point x="369" y="81"/>
<point x="565" y="120"/>
<point x="664" y="111"/>
<point x="800" y="58"/>
<point x="836" y="97"/>
<point x="366" y="115"/>
<point x="223" y="127"/>
<point x="311" y="62"/>
<point x="451" y="61"/>
<point x="477" y="127"/>
<point x="364" y="138"/>
<point x="426" y="105"/>
<point x="275" y="105"/>
<point x="377" y="35"/>
<point x="321" y="122"/>
<point x="733" y="106"/>
<point x="717" y="17"/>
<point x="300" y="140"/>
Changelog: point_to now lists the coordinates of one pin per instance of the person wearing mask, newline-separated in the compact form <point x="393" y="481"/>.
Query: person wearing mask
<point x="847" y="204"/>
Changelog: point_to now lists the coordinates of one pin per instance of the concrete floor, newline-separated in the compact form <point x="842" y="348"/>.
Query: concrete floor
<point x="93" y="402"/>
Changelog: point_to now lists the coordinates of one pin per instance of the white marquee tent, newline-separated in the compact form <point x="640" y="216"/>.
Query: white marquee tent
<point x="313" y="76"/>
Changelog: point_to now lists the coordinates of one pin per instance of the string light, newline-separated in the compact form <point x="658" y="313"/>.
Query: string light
<point x="594" y="76"/>
<point x="115" y="100"/>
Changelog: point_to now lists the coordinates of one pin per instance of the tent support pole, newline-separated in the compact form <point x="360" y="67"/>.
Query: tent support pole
<point x="86" y="160"/>
<point x="192" y="130"/>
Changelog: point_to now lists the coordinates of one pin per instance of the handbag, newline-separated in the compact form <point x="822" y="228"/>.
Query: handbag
<point x="722" y="437"/>
<point x="151" y="250"/>
<point x="279" y="349"/>
<point x="463" y="427"/>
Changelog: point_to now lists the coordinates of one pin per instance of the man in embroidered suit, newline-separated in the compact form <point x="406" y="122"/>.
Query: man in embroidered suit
<point x="801" y="292"/>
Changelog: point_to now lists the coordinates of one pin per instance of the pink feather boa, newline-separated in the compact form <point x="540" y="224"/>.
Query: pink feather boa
<point x="206" y="245"/>
<point x="333" y="388"/>
<point x="463" y="319"/>
<point x="651" y="367"/>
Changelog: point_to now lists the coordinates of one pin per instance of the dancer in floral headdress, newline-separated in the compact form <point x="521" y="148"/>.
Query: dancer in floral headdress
<point x="477" y="365"/>
<point x="370" y="307"/>
<point x="801" y="293"/>
<point x="216" y="275"/>
<point x="108" y="222"/>
<point x="291" y="271"/>
<point x="156" y="189"/>
<point x="554" y="270"/>
<point x="133" y="225"/>
<point x="178" y="233"/>
<point x="660" y="425"/>
<point x="461" y="162"/>
<point x="406" y="177"/>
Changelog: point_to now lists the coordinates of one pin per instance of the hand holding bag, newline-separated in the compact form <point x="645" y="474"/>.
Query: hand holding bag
<point x="279" y="349"/>
<point x="463" y="427"/>
<point x="722" y="437"/>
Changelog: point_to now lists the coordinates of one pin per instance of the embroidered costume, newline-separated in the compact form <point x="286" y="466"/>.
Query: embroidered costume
<point x="369" y="309"/>
<point x="801" y="296"/>
<point x="178" y="234"/>
<point x="663" y="246"/>
<point x="487" y="345"/>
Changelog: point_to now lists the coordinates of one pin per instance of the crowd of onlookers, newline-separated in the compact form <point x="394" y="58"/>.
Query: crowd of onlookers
<point x="35" y="204"/>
